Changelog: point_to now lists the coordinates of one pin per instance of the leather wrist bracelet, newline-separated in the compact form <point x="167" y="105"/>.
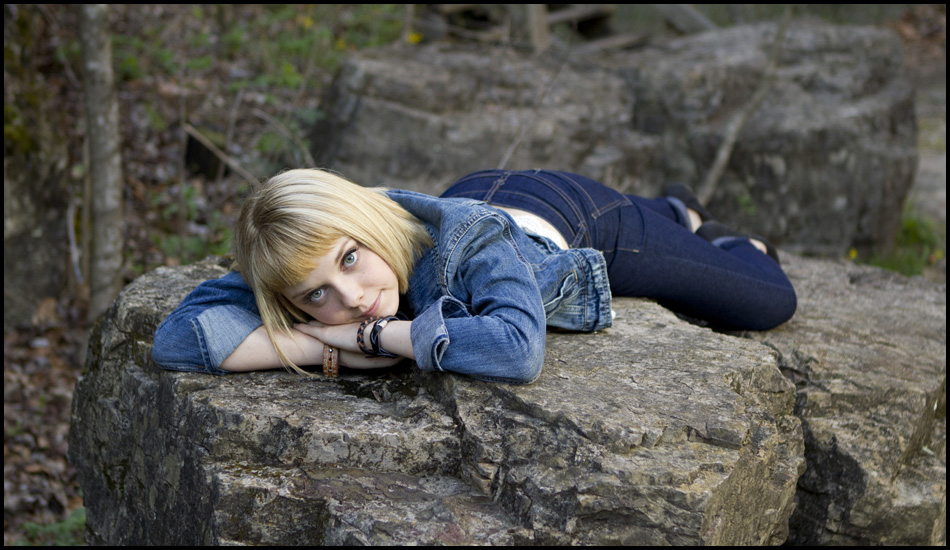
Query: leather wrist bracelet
<point x="374" y="337"/>
<point x="331" y="361"/>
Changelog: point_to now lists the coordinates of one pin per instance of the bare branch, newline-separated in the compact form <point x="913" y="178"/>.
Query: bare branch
<point x="530" y="124"/>
<point x="708" y="186"/>
<point x="287" y="133"/>
<point x="233" y="164"/>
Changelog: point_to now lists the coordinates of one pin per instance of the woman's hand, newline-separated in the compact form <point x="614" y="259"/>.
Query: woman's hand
<point x="342" y="337"/>
<point x="257" y="352"/>
<point x="395" y="338"/>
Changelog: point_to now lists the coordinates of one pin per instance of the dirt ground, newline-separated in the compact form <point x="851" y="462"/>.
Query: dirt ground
<point x="42" y="363"/>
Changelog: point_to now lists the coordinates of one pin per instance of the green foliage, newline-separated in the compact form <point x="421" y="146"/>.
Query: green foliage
<point x="69" y="532"/>
<point x="747" y="204"/>
<point x="193" y="247"/>
<point x="279" y="44"/>
<point x="275" y="52"/>
<point x="16" y="135"/>
<point x="200" y="63"/>
<point x="126" y="58"/>
<point x="284" y="76"/>
<point x="215" y="238"/>
<point x="918" y="245"/>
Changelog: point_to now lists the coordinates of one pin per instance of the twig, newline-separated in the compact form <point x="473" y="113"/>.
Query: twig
<point x="183" y="175"/>
<point x="233" y="164"/>
<point x="85" y="217"/>
<point x="527" y="126"/>
<point x="232" y="122"/>
<point x="709" y="184"/>
<point x="74" y="253"/>
<point x="287" y="133"/>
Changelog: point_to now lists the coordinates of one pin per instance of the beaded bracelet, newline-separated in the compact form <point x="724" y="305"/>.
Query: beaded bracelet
<point x="331" y="361"/>
<point x="359" y="335"/>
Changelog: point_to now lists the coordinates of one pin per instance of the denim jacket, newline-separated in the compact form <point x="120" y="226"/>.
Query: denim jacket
<point x="480" y="298"/>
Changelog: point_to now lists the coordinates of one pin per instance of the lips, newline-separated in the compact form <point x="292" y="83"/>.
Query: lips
<point x="373" y="308"/>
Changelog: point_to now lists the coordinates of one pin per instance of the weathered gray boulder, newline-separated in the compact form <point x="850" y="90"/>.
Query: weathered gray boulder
<point x="828" y="159"/>
<point x="822" y="166"/>
<point x="867" y="350"/>
<point x="653" y="432"/>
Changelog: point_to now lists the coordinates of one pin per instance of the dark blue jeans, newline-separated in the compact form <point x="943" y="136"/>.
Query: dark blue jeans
<point x="649" y="249"/>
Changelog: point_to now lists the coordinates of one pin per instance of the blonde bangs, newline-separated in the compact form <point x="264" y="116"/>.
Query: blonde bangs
<point x="297" y="216"/>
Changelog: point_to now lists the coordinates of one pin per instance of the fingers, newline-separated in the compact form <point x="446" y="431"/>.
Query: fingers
<point x="339" y="336"/>
<point x="343" y="337"/>
<point x="313" y="328"/>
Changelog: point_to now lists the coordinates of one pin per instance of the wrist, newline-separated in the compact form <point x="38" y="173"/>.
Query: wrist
<point x="376" y="337"/>
<point x="363" y="334"/>
<point x="369" y="335"/>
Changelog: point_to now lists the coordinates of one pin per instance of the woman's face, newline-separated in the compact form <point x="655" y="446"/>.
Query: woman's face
<point x="349" y="284"/>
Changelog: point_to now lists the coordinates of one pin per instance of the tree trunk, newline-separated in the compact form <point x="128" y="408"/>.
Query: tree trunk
<point x="105" y="166"/>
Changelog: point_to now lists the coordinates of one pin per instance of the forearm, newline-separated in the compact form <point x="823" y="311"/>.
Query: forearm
<point x="395" y="338"/>
<point x="257" y="352"/>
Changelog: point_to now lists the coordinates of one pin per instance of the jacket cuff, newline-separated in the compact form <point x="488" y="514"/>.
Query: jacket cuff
<point x="429" y="335"/>
<point x="220" y="330"/>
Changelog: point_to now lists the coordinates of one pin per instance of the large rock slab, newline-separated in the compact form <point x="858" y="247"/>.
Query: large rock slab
<point x="822" y="166"/>
<point x="653" y="432"/>
<point x="867" y="350"/>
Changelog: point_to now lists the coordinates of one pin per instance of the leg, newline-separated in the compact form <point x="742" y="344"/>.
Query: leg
<point x="649" y="247"/>
<point x="682" y="199"/>
<point x="735" y="286"/>
<point x="730" y="283"/>
<point x="687" y="206"/>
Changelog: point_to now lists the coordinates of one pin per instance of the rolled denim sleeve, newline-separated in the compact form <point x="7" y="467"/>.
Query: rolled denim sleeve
<point x="491" y="323"/>
<point x="209" y="324"/>
<point x="430" y="335"/>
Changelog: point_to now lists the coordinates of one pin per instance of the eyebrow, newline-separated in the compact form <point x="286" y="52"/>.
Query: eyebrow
<point x="339" y="258"/>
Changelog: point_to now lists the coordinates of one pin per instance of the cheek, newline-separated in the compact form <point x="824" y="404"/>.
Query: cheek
<point x="326" y="314"/>
<point x="385" y="274"/>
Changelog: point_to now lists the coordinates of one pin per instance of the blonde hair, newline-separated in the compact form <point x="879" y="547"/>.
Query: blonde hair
<point x="296" y="217"/>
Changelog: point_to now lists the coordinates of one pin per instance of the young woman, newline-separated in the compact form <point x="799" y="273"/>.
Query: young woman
<point x="334" y="273"/>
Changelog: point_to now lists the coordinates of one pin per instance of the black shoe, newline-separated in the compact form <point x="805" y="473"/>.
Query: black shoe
<point x="713" y="230"/>
<point x="686" y="196"/>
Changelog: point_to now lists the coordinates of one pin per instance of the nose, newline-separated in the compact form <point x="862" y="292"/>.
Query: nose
<point x="351" y="295"/>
